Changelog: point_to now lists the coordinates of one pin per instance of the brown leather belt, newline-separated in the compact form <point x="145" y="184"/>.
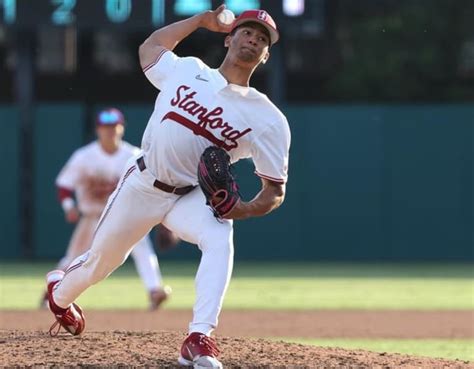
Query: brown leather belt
<point x="163" y="186"/>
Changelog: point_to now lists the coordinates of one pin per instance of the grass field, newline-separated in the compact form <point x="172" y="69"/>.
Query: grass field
<point x="260" y="286"/>
<point x="441" y="348"/>
<point x="289" y="286"/>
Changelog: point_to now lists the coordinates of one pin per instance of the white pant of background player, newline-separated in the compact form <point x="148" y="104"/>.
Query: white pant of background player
<point x="132" y="210"/>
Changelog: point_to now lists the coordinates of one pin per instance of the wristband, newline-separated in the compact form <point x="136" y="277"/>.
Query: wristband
<point x="68" y="204"/>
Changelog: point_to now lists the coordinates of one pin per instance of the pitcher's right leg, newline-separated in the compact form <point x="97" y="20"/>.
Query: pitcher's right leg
<point x="129" y="215"/>
<point x="80" y="242"/>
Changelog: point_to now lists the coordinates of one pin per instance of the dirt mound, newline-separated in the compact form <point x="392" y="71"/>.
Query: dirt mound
<point x="160" y="349"/>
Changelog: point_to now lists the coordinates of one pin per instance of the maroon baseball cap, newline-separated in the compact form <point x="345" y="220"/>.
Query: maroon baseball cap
<point x="109" y="117"/>
<point x="261" y="17"/>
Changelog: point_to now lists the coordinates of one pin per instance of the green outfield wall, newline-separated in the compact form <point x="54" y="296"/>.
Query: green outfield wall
<point x="10" y="227"/>
<point x="366" y="183"/>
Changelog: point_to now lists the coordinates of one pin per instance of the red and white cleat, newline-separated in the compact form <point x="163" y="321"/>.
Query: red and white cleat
<point x="199" y="351"/>
<point x="71" y="319"/>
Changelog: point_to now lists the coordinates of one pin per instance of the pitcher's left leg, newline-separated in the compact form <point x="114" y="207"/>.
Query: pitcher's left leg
<point x="213" y="276"/>
<point x="193" y="222"/>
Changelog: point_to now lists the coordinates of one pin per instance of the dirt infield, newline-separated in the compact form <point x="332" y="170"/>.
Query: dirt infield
<point x="133" y="338"/>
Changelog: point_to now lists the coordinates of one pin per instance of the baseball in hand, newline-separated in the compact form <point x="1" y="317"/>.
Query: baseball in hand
<point x="226" y="17"/>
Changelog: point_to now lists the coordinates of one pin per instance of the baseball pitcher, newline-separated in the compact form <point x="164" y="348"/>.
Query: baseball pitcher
<point x="204" y="120"/>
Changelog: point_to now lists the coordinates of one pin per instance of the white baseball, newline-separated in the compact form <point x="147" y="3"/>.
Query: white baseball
<point x="226" y="17"/>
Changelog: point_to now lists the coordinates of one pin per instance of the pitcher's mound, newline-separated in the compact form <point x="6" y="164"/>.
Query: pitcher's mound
<point x="160" y="349"/>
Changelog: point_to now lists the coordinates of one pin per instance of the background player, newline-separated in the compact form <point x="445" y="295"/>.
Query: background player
<point x="197" y="107"/>
<point x="90" y="176"/>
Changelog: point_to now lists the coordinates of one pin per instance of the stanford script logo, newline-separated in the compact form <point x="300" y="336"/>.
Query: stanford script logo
<point x="210" y="124"/>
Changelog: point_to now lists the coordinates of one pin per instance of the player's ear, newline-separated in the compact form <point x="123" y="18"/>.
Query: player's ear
<point x="265" y="58"/>
<point x="227" y="40"/>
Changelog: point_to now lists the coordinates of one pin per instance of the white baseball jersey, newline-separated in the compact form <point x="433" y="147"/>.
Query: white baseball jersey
<point x="196" y="108"/>
<point x="93" y="174"/>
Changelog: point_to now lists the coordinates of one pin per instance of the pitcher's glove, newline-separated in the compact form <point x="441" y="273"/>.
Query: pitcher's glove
<point x="217" y="182"/>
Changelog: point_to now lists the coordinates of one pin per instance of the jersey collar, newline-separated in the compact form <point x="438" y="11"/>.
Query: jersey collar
<point x="222" y="86"/>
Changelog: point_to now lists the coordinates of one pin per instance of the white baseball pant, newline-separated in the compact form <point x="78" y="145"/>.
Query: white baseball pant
<point x="132" y="210"/>
<point x="143" y="255"/>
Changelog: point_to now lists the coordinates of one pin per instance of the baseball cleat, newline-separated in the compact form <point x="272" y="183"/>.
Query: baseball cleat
<point x="71" y="319"/>
<point x="158" y="296"/>
<point x="199" y="351"/>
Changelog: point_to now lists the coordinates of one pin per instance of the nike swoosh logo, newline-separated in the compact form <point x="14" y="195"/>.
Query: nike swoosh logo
<point x="189" y="353"/>
<point x="198" y="77"/>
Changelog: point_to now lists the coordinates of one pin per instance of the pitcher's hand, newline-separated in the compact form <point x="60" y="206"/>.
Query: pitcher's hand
<point x="210" y="22"/>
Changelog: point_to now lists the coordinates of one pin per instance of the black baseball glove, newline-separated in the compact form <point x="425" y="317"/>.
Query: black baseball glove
<point x="217" y="182"/>
<point x="165" y="239"/>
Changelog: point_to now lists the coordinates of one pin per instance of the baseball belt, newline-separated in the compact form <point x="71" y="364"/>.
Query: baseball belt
<point x="163" y="186"/>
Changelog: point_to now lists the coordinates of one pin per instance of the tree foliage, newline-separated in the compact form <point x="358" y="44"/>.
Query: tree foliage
<point x="403" y="51"/>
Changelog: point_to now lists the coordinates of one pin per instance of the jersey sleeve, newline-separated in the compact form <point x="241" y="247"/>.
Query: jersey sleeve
<point x="69" y="175"/>
<point x="270" y="152"/>
<point x="162" y="68"/>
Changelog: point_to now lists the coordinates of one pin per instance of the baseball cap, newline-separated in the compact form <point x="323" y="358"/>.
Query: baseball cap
<point x="109" y="117"/>
<point x="261" y="17"/>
